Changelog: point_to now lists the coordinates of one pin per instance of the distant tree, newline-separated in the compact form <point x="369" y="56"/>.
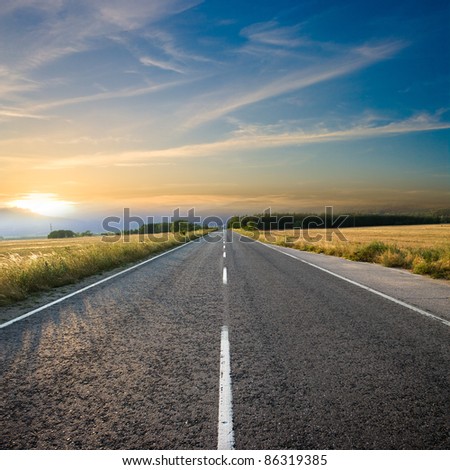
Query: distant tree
<point x="87" y="233"/>
<point x="62" y="234"/>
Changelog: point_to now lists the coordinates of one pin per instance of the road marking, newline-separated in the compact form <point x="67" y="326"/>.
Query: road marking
<point x="25" y="315"/>
<point x="225" y="433"/>
<point x="225" y="276"/>
<point x="224" y="246"/>
<point x="224" y="254"/>
<point x="388" y="297"/>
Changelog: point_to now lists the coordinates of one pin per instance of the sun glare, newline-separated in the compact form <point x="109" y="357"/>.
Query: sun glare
<point x="43" y="204"/>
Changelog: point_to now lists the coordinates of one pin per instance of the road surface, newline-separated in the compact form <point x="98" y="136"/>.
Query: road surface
<point x="232" y="345"/>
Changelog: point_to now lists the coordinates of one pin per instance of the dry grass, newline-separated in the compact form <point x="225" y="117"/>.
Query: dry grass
<point x="423" y="249"/>
<point x="29" y="266"/>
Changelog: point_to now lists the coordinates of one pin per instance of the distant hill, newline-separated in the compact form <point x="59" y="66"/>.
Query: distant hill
<point x="24" y="223"/>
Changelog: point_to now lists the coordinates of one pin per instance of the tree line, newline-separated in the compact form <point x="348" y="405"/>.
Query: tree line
<point x="69" y="234"/>
<point x="178" y="226"/>
<point x="285" y="221"/>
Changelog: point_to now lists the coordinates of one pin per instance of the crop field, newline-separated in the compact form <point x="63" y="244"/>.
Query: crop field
<point x="29" y="266"/>
<point x="423" y="249"/>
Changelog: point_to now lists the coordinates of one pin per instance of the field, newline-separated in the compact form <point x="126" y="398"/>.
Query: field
<point x="29" y="266"/>
<point x="423" y="249"/>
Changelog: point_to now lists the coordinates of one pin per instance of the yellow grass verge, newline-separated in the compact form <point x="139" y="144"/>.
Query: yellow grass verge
<point x="29" y="266"/>
<point x="423" y="249"/>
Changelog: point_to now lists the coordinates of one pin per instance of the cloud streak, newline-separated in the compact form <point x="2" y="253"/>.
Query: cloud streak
<point x="356" y="59"/>
<point x="165" y="65"/>
<point x="13" y="84"/>
<point x="10" y="113"/>
<point x="270" y="33"/>
<point x="28" y="111"/>
<point x="251" y="139"/>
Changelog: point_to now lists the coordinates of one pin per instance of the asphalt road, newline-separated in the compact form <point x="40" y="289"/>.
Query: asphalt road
<point x="135" y="363"/>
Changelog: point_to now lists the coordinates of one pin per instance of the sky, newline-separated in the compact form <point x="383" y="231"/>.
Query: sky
<point x="226" y="107"/>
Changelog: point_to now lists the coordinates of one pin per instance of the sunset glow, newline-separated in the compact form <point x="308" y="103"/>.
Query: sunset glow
<point x="43" y="204"/>
<point x="228" y="107"/>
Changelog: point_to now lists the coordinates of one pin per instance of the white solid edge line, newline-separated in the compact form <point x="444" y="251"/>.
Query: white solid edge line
<point x="225" y="433"/>
<point x="388" y="297"/>
<point x="225" y="276"/>
<point x="25" y="315"/>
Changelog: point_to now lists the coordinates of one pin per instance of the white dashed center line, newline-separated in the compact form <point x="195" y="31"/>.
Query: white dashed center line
<point x="225" y="433"/>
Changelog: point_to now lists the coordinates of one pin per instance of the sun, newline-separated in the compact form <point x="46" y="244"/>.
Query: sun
<point x="43" y="204"/>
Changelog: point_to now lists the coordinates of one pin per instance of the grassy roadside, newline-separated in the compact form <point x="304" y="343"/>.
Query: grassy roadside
<point x="422" y="249"/>
<point x="37" y="266"/>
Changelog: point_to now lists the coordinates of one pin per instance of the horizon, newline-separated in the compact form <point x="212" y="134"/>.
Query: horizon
<point x="230" y="109"/>
<point x="22" y="223"/>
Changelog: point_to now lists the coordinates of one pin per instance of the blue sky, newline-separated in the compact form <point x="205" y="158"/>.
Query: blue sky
<point x="228" y="107"/>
